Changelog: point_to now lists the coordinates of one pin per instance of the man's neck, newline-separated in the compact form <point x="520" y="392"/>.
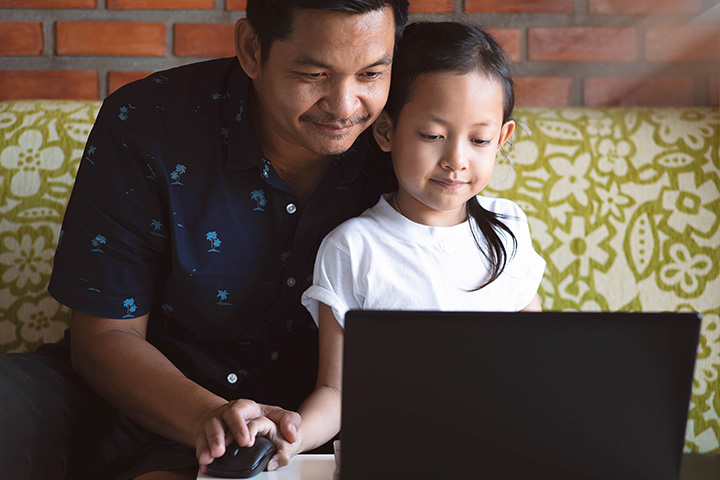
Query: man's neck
<point x="302" y="175"/>
<point x="301" y="169"/>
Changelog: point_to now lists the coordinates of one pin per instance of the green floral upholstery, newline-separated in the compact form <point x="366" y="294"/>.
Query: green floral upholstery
<point x="623" y="204"/>
<point x="41" y="143"/>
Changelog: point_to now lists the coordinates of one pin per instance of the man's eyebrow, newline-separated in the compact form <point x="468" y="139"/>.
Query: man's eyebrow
<point x="309" y="61"/>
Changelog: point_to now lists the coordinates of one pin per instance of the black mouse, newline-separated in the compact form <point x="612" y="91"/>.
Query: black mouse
<point x="243" y="462"/>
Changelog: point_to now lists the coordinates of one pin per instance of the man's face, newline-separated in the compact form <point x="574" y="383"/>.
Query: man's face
<point x="325" y="83"/>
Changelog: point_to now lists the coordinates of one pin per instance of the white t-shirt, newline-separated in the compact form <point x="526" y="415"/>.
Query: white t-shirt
<point x="384" y="261"/>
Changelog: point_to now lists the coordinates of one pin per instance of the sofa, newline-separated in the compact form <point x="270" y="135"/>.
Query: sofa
<point x="623" y="204"/>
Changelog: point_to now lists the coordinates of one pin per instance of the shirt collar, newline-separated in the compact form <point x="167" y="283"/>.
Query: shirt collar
<point x="243" y="148"/>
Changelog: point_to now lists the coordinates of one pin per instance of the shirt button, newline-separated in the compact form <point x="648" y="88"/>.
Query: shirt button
<point x="291" y="282"/>
<point x="232" y="378"/>
<point x="291" y="208"/>
<point x="274" y="356"/>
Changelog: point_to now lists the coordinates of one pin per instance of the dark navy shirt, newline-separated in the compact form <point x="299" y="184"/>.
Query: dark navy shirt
<point x="176" y="213"/>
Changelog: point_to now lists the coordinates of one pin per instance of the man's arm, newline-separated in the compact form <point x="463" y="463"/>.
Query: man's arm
<point x="115" y="359"/>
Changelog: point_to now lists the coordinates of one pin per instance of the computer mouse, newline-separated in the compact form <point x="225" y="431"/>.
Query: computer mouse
<point x="243" y="462"/>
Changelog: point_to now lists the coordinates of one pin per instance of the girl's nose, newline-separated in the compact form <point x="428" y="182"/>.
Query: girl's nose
<point x="455" y="157"/>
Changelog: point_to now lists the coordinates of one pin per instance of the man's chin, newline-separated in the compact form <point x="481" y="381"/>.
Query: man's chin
<point x="334" y="147"/>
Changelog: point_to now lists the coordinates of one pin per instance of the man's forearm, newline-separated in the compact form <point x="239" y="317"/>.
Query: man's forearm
<point x="119" y="364"/>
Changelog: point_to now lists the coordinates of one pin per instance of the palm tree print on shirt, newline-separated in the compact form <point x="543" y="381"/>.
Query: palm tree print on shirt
<point x="123" y="112"/>
<point x="259" y="197"/>
<point x="214" y="241"/>
<point x="156" y="227"/>
<point x="175" y="175"/>
<point x="97" y="242"/>
<point x="222" y="295"/>
<point x="129" y="304"/>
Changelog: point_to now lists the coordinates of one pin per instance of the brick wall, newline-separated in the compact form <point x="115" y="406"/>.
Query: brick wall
<point x="568" y="52"/>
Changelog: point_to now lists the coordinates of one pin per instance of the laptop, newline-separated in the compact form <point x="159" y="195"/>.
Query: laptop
<point x="552" y="395"/>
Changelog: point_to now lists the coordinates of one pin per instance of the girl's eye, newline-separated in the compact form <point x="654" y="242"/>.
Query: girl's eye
<point x="478" y="142"/>
<point x="430" y="137"/>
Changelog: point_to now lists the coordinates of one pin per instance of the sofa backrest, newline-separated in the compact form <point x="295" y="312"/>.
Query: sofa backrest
<point x="623" y="204"/>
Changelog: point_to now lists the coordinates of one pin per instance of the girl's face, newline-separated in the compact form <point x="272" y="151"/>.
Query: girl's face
<point x="444" y="144"/>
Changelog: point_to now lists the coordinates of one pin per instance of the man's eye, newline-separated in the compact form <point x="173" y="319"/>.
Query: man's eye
<point x="312" y="76"/>
<point x="371" y="75"/>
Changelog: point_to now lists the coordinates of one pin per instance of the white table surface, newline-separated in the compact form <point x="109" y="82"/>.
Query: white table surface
<point x="302" y="467"/>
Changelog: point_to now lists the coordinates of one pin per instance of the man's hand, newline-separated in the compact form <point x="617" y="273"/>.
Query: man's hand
<point x="242" y="420"/>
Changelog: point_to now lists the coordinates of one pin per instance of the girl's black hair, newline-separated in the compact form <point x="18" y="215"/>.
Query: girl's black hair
<point x="462" y="48"/>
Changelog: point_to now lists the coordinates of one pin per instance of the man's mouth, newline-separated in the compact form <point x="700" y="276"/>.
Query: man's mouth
<point x="334" y="127"/>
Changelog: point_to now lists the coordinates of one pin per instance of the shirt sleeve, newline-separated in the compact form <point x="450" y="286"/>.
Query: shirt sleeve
<point x="530" y="265"/>
<point x="107" y="260"/>
<point x="333" y="281"/>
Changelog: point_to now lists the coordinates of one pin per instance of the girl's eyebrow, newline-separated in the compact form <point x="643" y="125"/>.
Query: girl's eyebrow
<point x="309" y="61"/>
<point x="435" y="118"/>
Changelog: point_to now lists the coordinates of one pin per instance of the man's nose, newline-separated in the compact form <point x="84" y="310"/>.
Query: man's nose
<point x="342" y="101"/>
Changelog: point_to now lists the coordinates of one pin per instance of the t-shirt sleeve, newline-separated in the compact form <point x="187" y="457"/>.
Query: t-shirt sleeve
<point x="530" y="266"/>
<point x="333" y="280"/>
<point x="107" y="259"/>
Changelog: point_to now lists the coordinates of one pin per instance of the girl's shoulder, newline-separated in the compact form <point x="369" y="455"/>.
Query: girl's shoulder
<point x="366" y="224"/>
<point x="502" y="206"/>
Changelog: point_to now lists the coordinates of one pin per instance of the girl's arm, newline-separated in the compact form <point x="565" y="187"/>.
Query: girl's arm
<point x="320" y="413"/>
<point x="534" y="305"/>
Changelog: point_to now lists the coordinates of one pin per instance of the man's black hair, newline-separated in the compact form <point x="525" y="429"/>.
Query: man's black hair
<point x="272" y="19"/>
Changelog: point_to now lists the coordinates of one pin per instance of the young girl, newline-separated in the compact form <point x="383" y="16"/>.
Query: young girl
<point x="433" y="244"/>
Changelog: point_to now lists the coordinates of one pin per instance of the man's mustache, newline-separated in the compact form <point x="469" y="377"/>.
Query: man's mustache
<point x="334" y="122"/>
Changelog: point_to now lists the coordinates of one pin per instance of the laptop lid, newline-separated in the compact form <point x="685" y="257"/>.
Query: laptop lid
<point x="569" y="395"/>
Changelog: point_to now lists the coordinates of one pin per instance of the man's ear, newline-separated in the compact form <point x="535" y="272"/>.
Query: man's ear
<point x="382" y="131"/>
<point x="506" y="132"/>
<point x="247" y="48"/>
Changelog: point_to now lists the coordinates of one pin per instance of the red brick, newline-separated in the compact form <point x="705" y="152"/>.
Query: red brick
<point x="235" y="4"/>
<point x="682" y="43"/>
<point x="582" y="44"/>
<point x="21" y="38"/>
<point x="48" y="3"/>
<point x="510" y="41"/>
<point x="49" y="84"/>
<point x="141" y="39"/>
<point x="633" y="7"/>
<point x="432" y="6"/>
<point x="543" y="91"/>
<point x="519" y="6"/>
<point x="204" y="40"/>
<point x="118" y="79"/>
<point x="639" y="92"/>
<point x="160" y="4"/>
<point x="714" y="91"/>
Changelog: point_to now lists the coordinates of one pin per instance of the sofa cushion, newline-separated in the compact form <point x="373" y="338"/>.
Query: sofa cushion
<point x="623" y="204"/>
<point x="41" y="144"/>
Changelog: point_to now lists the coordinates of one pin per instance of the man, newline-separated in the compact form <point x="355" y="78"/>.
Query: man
<point x="201" y="199"/>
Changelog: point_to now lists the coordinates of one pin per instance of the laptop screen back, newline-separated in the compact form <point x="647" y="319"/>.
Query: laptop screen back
<point x="516" y="395"/>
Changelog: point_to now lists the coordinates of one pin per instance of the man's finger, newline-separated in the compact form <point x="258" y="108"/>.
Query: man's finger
<point x="288" y="421"/>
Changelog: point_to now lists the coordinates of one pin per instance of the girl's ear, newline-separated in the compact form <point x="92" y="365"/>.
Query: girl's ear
<point x="382" y="131"/>
<point x="247" y="48"/>
<point x="506" y="132"/>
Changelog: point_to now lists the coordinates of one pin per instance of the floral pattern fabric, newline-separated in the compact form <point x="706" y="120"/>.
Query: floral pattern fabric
<point x="623" y="204"/>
